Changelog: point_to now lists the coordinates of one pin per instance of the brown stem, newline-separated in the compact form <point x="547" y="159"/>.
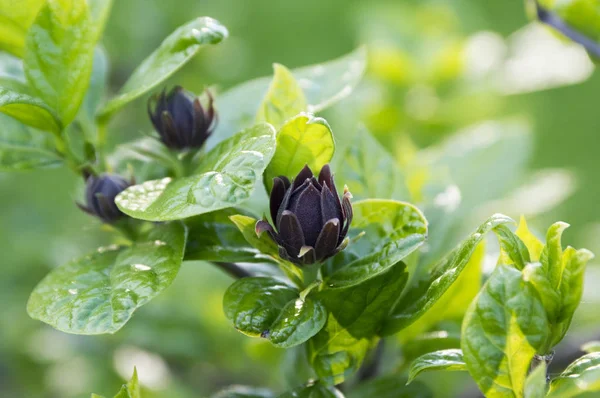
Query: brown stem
<point x="233" y="269"/>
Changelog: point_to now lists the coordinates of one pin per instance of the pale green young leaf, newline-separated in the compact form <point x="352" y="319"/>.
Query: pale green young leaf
<point x="99" y="11"/>
<point x="284" y="99"/>
<point x="581" y="376"/>
<point x="16" y="16"/>
<point x="174" y="52"/>
<point x="323" y="85"/>
<point x="512" y="247"/>
<point x="356" y="314"/>
<point x="551" y="256"/>
<point x="59" y="55"/>
<point x="392" y="229"/>
<point x="420" y="297"/>
<point x="29" y="110"/>
<point x="247" y="226"/>
<point x="226" y="177"/>
<point x="23" y="148"/>
<point x="446" y="360"/>
<point x="98" y="293"/>
<point x="535" y="383"/>
<point x="303" y="140"/>
<point x="369" y="170"/>
<point x="501" y="332"/>
<point x="131" y="389"/>
<point x="533" y="244"/>
<point x="264" y="307"/>
<point x="143" y="150"/>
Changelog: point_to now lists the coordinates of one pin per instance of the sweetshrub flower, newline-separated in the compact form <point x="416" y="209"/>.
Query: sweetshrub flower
<point x="180" y="119"/>
<point x="311" y="222"/>
<point x="100" y="194"/>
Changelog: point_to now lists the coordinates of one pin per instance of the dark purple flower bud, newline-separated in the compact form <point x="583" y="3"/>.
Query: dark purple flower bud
<point x="100" y="193"/>
<point x="181" y="120"/>
<point x="311" y="222"/>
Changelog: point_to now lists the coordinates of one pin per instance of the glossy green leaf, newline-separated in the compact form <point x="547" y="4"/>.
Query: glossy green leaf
<point x="535" y="383"/>
<point x="369" y="170"/>
<point x="533" y="244"/>
<point x="512" y="247"/>
<point x="267" y="308"/>
<point x="303" y="140"/>
<point x="99" y="11"/>
<point x="247" y="226"/>
<point x="98" y="293"/>
<point x="144" y="150"/>
<point x="356" y="314"/>
<point x="454" y="302"/>
<point x="97" y="89"/>
<point x="23" y="148"/>
<point x="226" y="177"/>
<point x="502" y="330"/>
<point x="393" y="231"/>
<point x="313" y="390"/>
<point x="213" y="237"/>
<point x="29" y="110"/>
<point x="447" y="360"/>
<point x="284" y="99"/>
<point x="393" y="386"/>
<point x="15" y="19"/>
<point x="131" y="389"/>
<point x="244" y="392"/>
<point x="422" y="296"/>
<point x="581" y="376"/>
<point x="174" y="52"/>
<point x="59" y="55"/>
<point x="592" y="346"/>
<point x="323" y="85"/>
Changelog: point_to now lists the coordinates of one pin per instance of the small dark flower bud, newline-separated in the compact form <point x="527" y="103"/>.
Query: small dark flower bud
<point x="181" y="120"/>
<point x="311" y="221"/>
<point x="100" y="193"/>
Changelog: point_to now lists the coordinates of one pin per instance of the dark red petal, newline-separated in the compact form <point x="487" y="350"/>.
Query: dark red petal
<point x="348" y="214"/>
<point x="263" y="226"/>
<point x="330" y="206"/>
<point x="307" y="207"/>
<point x="282" y="207"/>
<point x="307" y="255"/>
<point x="328" y="239"/>
<point x="325" y="176"/>
<point x="291" y="234"/>
<point x="302" y="176"/>
<point x="277" y="195"/>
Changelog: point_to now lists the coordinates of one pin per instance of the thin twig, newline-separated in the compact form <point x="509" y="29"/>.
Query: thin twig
<point x="233" y="269"/>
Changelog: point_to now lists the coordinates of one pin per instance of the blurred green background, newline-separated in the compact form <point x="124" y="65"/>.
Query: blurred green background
<point x="417" y="91"/>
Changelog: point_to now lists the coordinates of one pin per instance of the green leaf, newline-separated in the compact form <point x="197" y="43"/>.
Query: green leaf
<point x="369" y="170"/>
<point x="226" y="177"/>
<point x="535" y="384"/>
<point x="356" y="314"/>
<point x="213" y="237"/>
<point x="393" y="386"/>
<point x="174" y="52"/>
<point x="323" y="85"/>
<point x="29" y="110"/>
<point x="145" y="150"/>
<point x="131" y="389"/>
<point x="100" y="10"/>
<point x="582" y="376"/>
<point x="15" y="19"/>
<point x="97" y="89"/>
<point x="419" y="298"/>
<point x="303" y="140"/>
<point x="313" y="390"/>
<point x="393" y="231"/>
<point x="22" y="148"/>
<point x="244" y="392"/>
<point x="284" y="99"/>
<point x="502" y="330"/>
<point x="592" y="346"/>
<point x="551" y="257"/>
<point x="247" y="226"/>
<point x="59" y="55"/>
<point x="512" y="247"/>
<point x="533" y="244"/>
<point x="448" y="360"/>
<point x="267" y="308"/>
<point x="454" y="302"/>
<point x="98" y="293"/>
